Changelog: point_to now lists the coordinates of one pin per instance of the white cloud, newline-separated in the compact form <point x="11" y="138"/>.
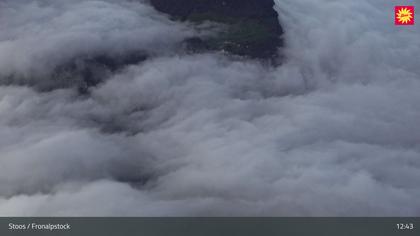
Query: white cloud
<point x="39" y="35"/>
<point x="331" y="132"/>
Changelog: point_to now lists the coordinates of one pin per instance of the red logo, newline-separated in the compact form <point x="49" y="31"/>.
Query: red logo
<point x="404" y="15"/>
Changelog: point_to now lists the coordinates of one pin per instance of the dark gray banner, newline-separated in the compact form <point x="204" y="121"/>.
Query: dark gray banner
<point x="211" y="226"/>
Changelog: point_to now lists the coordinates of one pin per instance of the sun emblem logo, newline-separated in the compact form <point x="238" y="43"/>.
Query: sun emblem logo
<point x="404" y="15"/>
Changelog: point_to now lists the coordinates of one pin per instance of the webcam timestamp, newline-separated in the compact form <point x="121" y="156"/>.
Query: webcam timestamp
<point x="405" y="226"/>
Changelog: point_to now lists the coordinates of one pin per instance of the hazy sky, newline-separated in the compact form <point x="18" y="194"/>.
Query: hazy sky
<point x="333" y="131"/>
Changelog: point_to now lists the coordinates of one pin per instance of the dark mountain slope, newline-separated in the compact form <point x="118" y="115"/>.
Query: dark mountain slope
<point x="253" y="28"/>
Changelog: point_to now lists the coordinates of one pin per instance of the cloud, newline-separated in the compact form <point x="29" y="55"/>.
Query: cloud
<point x="46" y="34"/>
<point x="331" y="132"/>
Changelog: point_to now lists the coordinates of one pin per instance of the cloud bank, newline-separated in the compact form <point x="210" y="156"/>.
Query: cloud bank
<point x="333" y="131"/>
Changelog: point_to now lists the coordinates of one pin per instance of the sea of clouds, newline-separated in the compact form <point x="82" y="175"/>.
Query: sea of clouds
<point x="333" y="131"/>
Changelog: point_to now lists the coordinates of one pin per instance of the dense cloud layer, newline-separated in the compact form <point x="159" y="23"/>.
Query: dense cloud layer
<point x="333" y="131"/>
<point x="38" y="36"/>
